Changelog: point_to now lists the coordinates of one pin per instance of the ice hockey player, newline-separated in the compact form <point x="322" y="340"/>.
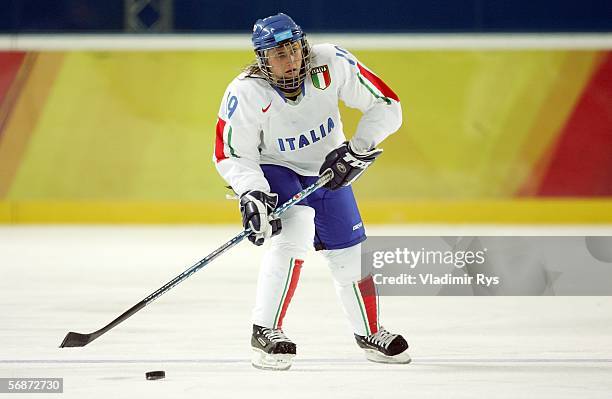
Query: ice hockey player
<point x="278" y="129"/>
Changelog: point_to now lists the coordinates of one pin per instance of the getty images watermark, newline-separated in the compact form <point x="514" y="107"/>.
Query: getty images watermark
<point x="489" y="265"/>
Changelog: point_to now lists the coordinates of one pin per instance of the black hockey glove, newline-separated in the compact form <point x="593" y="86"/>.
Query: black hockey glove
<point x="256" y="208"/>
<point x="347" y="165"/>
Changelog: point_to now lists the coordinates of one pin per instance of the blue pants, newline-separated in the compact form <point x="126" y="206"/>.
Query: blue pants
<point x="337" y="221"/>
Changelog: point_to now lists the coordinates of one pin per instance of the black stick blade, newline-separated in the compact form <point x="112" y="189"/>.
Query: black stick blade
<point x="73" y="339"/>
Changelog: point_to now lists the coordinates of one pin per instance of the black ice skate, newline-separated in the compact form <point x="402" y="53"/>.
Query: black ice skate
<point x="272" y="350"/>
<point x="384" y="347"/>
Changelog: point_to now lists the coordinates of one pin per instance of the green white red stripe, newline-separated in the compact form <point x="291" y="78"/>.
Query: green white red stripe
<point x="365" y="293"/>
<point x="293" y="275"/>
<point x="375" y="85"/>
<point x="223" y="141"/>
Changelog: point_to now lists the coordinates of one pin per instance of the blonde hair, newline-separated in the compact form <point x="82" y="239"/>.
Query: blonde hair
<point x="253" y="69"/>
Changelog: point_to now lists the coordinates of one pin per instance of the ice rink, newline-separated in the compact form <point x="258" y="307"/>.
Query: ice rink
<point x="59" y="279"/>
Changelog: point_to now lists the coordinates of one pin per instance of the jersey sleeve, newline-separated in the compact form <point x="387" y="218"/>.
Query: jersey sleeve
<point x="362" y="89"/>
<point x="237" y="141"/>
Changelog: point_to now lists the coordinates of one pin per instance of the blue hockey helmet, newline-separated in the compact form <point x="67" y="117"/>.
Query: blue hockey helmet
<point x="271" y="31"/>
<point x="278" y="31"/>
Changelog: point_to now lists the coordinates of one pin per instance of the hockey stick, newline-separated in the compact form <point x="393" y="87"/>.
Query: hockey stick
<point x="74" y="339"/>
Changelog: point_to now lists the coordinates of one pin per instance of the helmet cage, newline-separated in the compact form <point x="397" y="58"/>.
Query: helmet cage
<point x="283" y="83"/>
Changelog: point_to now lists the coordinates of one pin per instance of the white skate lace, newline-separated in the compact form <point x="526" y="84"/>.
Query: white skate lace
<point x="382" y="338"/>
<point x="275" y="335"/>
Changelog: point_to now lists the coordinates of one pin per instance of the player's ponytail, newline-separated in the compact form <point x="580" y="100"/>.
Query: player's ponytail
<point x="253" y="70"/>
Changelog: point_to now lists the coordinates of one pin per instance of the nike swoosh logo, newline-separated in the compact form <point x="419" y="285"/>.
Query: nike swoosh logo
<point x="264" y="110"/>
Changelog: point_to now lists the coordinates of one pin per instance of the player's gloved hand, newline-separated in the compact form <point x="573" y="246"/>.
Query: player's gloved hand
<point x="347" y="164"/>
<point x="256" y="208"/>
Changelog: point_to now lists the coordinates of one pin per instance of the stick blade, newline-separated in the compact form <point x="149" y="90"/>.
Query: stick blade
<point x="73" y="339"/>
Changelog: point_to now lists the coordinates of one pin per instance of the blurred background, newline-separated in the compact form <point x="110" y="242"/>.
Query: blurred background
<point x="107" y="109"/>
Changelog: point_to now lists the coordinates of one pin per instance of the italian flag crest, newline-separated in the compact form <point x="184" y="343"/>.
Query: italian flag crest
<point x="320" y="77"/>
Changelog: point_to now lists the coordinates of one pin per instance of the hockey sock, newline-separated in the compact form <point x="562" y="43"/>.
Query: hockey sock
<point x="281" y="265"/>
<point x="358" y="296"/>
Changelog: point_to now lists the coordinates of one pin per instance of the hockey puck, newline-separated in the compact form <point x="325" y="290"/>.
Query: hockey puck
<point x="155" y="375"/>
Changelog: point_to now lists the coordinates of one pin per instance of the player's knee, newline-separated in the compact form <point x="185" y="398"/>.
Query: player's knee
<point x="298" y="230"/>
<point x="344" y="264"/>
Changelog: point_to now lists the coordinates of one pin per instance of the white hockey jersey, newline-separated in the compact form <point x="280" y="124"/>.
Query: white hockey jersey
<point x="258" y="125"/>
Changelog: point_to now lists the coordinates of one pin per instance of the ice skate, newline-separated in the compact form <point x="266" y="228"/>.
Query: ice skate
<point x="272" y="350"/>
<point x="384" y="347"/>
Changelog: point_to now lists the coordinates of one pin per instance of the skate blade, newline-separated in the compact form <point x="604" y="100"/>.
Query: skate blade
<point x="375" y="356"/>
<point x="267" y="361"/>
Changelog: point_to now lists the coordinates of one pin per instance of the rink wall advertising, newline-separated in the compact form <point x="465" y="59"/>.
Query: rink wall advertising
<point x="488" y="266"/>
<point x="127" y="136"/>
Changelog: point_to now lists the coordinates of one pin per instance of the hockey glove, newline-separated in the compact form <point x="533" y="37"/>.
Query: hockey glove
<point x="347" y="165"/>
<point x="256" y="208"/>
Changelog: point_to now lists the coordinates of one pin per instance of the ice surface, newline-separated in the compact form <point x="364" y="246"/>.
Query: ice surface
<point x="59" y="279"/>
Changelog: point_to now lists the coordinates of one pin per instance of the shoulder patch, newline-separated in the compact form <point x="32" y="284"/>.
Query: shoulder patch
<point x="321" y="78"/>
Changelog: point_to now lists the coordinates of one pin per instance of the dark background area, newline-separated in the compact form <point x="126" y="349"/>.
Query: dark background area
<point x="427" y="16"/>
